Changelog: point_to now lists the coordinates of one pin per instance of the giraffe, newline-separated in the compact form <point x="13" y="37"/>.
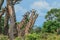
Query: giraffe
<point x="28" y="25"/>
<point x="33" y="21"/>
<point x="22" y="23"/>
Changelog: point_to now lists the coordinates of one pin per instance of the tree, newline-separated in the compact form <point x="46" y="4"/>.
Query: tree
<point x="11" y="12"/>
<point x="53" y="14"/>
<point x="52" y="21"/>
<point x="50" y="26"/>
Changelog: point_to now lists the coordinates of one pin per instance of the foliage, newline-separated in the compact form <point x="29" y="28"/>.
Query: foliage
<point x="43" y="36"/>
<point x="33" y="36"/>
<point x="18" y="38"/>
<point x="50" y="26"/>
<point x="2" y="25"/>
<point x="35" y="29"/>
<point x="52" y="22"/>
<point x="53" y="14"/>
<point x="2" y="37"/>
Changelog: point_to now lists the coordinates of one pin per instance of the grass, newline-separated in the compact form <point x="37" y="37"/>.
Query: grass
<point x="41" y="36"/>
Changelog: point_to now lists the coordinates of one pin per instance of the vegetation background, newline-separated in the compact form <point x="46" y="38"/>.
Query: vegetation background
<point x="10" y="29"/>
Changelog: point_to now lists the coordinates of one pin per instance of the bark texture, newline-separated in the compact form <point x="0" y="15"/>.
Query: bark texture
<point x="6" y="21"/>
<point x="11" y="11"/>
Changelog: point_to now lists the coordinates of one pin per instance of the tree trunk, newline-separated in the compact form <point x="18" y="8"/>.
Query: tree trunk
<point x="12" y="28"/>
<point x="6" y="21"/>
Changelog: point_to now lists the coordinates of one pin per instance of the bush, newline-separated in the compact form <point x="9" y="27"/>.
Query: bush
<point x="33" y="36"/>
<point x="18" y="38"/>
<point x="42" y="36"/>
<point x="3" y="37"/>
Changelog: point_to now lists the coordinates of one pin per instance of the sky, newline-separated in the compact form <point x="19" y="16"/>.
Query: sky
<point x="42" y="7"/>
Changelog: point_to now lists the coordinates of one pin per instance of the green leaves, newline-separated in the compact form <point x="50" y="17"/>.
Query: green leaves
<point x="53" y="14"/>
<point x="52" y="20"/>
<point x="2" y="25"/>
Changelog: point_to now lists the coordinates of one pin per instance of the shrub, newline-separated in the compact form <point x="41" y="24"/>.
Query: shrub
<point x="3" y="37"/>
<point x="33" y="36"/>
<point x="42" y="36"/>
<point x="18" y="38"/>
